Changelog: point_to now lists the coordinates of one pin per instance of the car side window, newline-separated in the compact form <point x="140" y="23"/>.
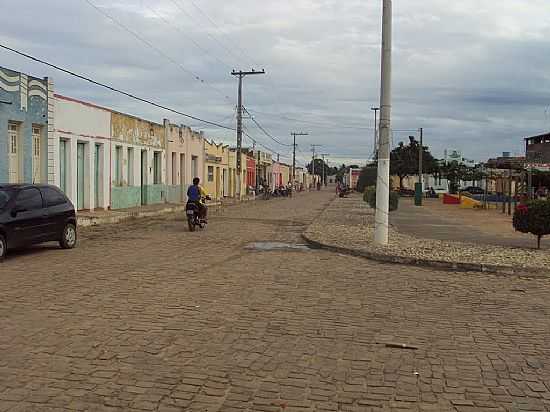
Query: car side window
<point x="29" y="199"/>
<point x="53" y="197"/>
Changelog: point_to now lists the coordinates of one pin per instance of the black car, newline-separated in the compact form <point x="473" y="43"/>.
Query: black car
<point x="31" y="214"/>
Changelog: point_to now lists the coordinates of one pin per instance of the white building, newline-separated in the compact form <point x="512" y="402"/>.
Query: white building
<point x="82" y="152"/>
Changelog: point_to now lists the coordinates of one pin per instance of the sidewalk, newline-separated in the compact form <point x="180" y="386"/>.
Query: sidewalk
<point x="102" y="217"/>
<point x="347" y="226"/>
<point x="434" y="220"/>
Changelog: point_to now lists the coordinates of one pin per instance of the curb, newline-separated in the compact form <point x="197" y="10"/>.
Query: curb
<point x="435" y="264"/>
<point x="119" y="217"/>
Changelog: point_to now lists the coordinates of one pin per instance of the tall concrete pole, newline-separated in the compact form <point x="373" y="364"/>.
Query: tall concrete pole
<point x="375" y="148"/>
<point x="381" y="228"/>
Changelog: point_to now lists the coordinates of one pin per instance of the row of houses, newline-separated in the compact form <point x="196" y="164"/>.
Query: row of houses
<point x="104" y="159"/>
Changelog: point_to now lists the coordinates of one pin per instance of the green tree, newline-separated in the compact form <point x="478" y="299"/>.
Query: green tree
<point x="404" y="160"/>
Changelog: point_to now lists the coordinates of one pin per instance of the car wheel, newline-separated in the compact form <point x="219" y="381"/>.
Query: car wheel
<point x="68" y="241"/>
<point x="3" y="248"/>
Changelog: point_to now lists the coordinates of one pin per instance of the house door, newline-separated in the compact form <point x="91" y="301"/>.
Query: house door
<point x="182" y="178"/>
<point x="36" y="166"/>
<point x="218" y="188"/>
<point x="14" y="150"/>
<point x="97" y="151"/>
<point x="80" y="176"/>
<point x="224" y="182"/>
<point x="63" y="165"/>
<point x="143" y="177"/>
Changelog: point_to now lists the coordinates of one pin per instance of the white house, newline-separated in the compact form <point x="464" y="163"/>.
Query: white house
<point x="82" y="152"/>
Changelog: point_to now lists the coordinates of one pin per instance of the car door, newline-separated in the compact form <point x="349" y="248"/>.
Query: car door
<point x="59" y="209"/>
<point x="29" y="217"/>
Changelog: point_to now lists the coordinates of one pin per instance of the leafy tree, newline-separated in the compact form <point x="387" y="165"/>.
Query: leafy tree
<point x="404" y="160"/>
<point x="319" y="165"/>
<point x="456" y="172"/>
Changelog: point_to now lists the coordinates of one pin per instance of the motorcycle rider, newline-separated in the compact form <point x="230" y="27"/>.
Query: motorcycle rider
<point x="196" y="194"/>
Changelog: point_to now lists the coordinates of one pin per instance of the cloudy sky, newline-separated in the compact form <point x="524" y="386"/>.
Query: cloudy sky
<point x="475" y="74"/>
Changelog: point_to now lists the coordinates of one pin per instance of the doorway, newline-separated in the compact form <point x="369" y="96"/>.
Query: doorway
<point x="182" y="178"/>
<point x="63" y="165"/>
<point x="143" y="177"/>
<point x="80" y="176"/>
<point x="36" y="154"/>
<point x="97" y="199"/>
<point x="14" y="173"/>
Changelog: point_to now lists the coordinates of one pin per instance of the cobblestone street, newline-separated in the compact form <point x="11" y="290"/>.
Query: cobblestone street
<point x="147" y="316"/>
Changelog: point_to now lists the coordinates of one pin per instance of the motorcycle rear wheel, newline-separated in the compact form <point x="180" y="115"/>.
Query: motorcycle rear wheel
<point x="191" y="225"/>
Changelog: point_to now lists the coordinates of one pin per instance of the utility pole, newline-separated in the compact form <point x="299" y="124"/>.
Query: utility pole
<point x="294" y="134"/>
<point x="381" y="228"/>
<point x="313" y="146"/>
<point x="241" y="74"/>
<point x="375" y="149"/>
<point x="324" y="181"/>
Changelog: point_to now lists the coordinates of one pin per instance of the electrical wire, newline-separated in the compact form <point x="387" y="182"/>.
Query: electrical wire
<point x="228" y="51"/>
<point x="153" y="47"/>
<point x="178" y="28"/>
<point x="236" y="46"/>
<point x="111" y="88"/>
<point x="265" y="131"/>
<point x="320" y="124"/>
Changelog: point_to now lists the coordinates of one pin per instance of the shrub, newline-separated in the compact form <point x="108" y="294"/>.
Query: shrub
<point x="370" y="197"/>
<point x="367" y="178"/>
<point x="533" y="217"/>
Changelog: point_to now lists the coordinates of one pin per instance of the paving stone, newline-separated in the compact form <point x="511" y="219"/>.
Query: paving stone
<point x="126" y="322"/>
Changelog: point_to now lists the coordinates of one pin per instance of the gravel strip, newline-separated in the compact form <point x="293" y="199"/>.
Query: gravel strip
<point x="349" y="223"/>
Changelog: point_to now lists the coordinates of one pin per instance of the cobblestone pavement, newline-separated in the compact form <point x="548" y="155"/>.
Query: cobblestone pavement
<point x="146" y="316"/>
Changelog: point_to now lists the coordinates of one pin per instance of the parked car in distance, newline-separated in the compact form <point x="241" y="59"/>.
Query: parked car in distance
<point x="31" y="214"/>
<point x="474" y="190"/>
<point x="406" y="192"/>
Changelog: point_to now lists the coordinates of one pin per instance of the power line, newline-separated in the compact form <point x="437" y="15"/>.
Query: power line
<point x="321" y="124"/>
<point x="228" y="51"/>
<point x="106" y="86"/>
<point x="236" y="46"/>
<point x="265" y="131"/>
<point x="152" y="46"/>
<point x="178" y="28"/>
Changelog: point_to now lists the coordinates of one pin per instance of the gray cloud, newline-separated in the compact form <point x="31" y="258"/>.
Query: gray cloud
<point x="473" y="75"/>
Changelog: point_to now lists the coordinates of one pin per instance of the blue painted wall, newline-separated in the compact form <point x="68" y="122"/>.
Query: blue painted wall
<point x="35" y="113"/>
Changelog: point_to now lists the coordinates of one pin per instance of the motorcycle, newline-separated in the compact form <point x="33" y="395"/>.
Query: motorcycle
<point x="193" y="216"/>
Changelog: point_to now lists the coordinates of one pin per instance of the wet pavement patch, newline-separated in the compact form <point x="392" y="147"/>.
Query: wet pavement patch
<point x="274" y="246"/>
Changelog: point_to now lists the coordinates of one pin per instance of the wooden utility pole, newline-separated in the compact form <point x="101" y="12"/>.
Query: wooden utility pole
<point x="324" y="181"/>
<point x="313" y="146"/>
<point x="294" y="134"/>
<point x="241" y="74"/>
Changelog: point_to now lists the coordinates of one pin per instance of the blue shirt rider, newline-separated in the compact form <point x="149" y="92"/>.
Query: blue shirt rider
<point x="196" y="194"/>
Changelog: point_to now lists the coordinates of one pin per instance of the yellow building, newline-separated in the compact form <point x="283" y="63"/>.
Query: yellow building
<point x="216" y="169"/>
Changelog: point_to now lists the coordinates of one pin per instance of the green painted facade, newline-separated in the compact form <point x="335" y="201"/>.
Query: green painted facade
<point x="155" y="194"/>
<point x="123" y="197"/>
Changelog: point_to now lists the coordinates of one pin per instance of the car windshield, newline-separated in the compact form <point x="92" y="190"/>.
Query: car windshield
<point x="4" y="198"/>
